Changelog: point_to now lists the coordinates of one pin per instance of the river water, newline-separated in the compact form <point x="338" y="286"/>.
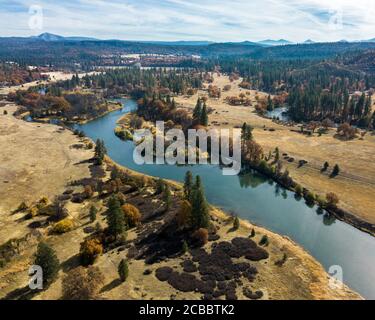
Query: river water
<point x="335" y="244"/>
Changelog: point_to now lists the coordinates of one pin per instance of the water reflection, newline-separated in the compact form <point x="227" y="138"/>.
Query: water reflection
<point x="251" y="180"/>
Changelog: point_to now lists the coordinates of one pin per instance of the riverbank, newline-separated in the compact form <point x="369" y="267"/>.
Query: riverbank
<point x="300" y="277"/>
<point x="354" y="185"/>
<point x="299" y="273"/>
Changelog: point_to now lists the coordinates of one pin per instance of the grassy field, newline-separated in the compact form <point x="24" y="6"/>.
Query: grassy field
<point x="355" y="186"/>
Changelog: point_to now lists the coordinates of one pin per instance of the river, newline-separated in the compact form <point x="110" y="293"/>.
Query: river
<point x="259" y="200"/>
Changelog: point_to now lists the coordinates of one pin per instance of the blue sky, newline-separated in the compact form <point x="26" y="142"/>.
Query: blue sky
<point x="215" y="20"/>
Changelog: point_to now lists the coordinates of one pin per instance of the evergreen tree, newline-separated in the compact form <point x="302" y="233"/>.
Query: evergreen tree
<point x="335" y="171"/>
<point x="252" y="234"/>
<point x="204" y="116"/>
<point x="46" y="258"/>
<point x="277" y="154"/>
<point x="270" y="105"/>
<point x="93" y="212"/>
<point x="200" y="214"/>
<point x="188" y="186"/>
<point x="236" y="223"/>
<point x="123" y="270"/>
<point x="100" y="151"/>
<point x="197" y="111"/>
<point x="247" y="132"/>
<point x="185" y="247"/>
<point x="167" y="197"/>
<point x="115" y="218"/>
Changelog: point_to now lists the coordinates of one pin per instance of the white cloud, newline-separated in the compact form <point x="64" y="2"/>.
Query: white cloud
<point x="217" y="20"/>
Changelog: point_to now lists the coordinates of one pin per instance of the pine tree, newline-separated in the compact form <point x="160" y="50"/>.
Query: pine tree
<point x="252" y="234"/>
<point x="236" y="223"/>
<point x="185" y="247"/>
<point x="204" y="116"/>
<point x="167" y="197"/>
<point x="247" y="132"/>
<point x="46" y="258"/>
<point x="123" y="270"/>
<point x="277" y="154"/>
<point x="115" y="218"/>
<point x="200" y="215"/>
<point x="335" y="171"/>
<point x="100" y="151"/>
<point x="93" y="212"/>
<point x="188" y="185"/>
<point x="270" y="105"/>
<point x="197" y="111"/>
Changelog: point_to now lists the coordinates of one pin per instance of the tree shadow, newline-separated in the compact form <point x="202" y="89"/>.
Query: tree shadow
<point x="115" y="283"/>
<point x="24" y="293"/>
<point x="70" y="264"/>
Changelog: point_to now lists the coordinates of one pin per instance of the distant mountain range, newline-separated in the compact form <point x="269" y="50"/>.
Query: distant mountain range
<point x="269" y="42"/>
<point x="49" y="37"/>
<point x="54" y="37"/>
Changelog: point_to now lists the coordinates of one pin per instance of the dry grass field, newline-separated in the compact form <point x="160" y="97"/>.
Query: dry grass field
<point x="40" y="160"/>
<point x="36" y="160"/>
<point x="53" y="77"/>
<point x="355" y="186"/>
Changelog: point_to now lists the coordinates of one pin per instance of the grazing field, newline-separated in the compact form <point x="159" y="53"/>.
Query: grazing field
<point x="355" y="185"/>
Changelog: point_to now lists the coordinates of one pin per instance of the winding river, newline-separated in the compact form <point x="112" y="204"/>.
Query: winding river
<point x="333" y="243"/>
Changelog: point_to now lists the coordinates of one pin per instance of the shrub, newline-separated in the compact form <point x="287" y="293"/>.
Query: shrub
<point x="325" y="166"/>
<point x="132" y="215"/>
<point x="185" y="247"/>
<point x="88" y="191"/>
<point x="281" y="262"/>
<point x="89" y="251"/>
<point x="63" y="226"/>
<point x="265" y="168"/>
<point x="310" y="198"/>
<point x="43" y="201"/>
<point x="236" y="223"/>
<point x="321" y="201"/>
<point x="184" y="214"/>
<point x="46" y="258"/>
<point x="332" y="200"/>
<point x="160" y="186"/>
<point x="22" y="207"/>
<point x="347" y="131"/>
<point x="299" y="190"/>
<point x="264" y="241"/>
<point x="82" y="283"/>
<point x="123" y="270"/>
<point x="201" y="236"/>
<point x="252" y="234"/>
<point x="32" y="213"/>
<point x="5" y="112"/>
